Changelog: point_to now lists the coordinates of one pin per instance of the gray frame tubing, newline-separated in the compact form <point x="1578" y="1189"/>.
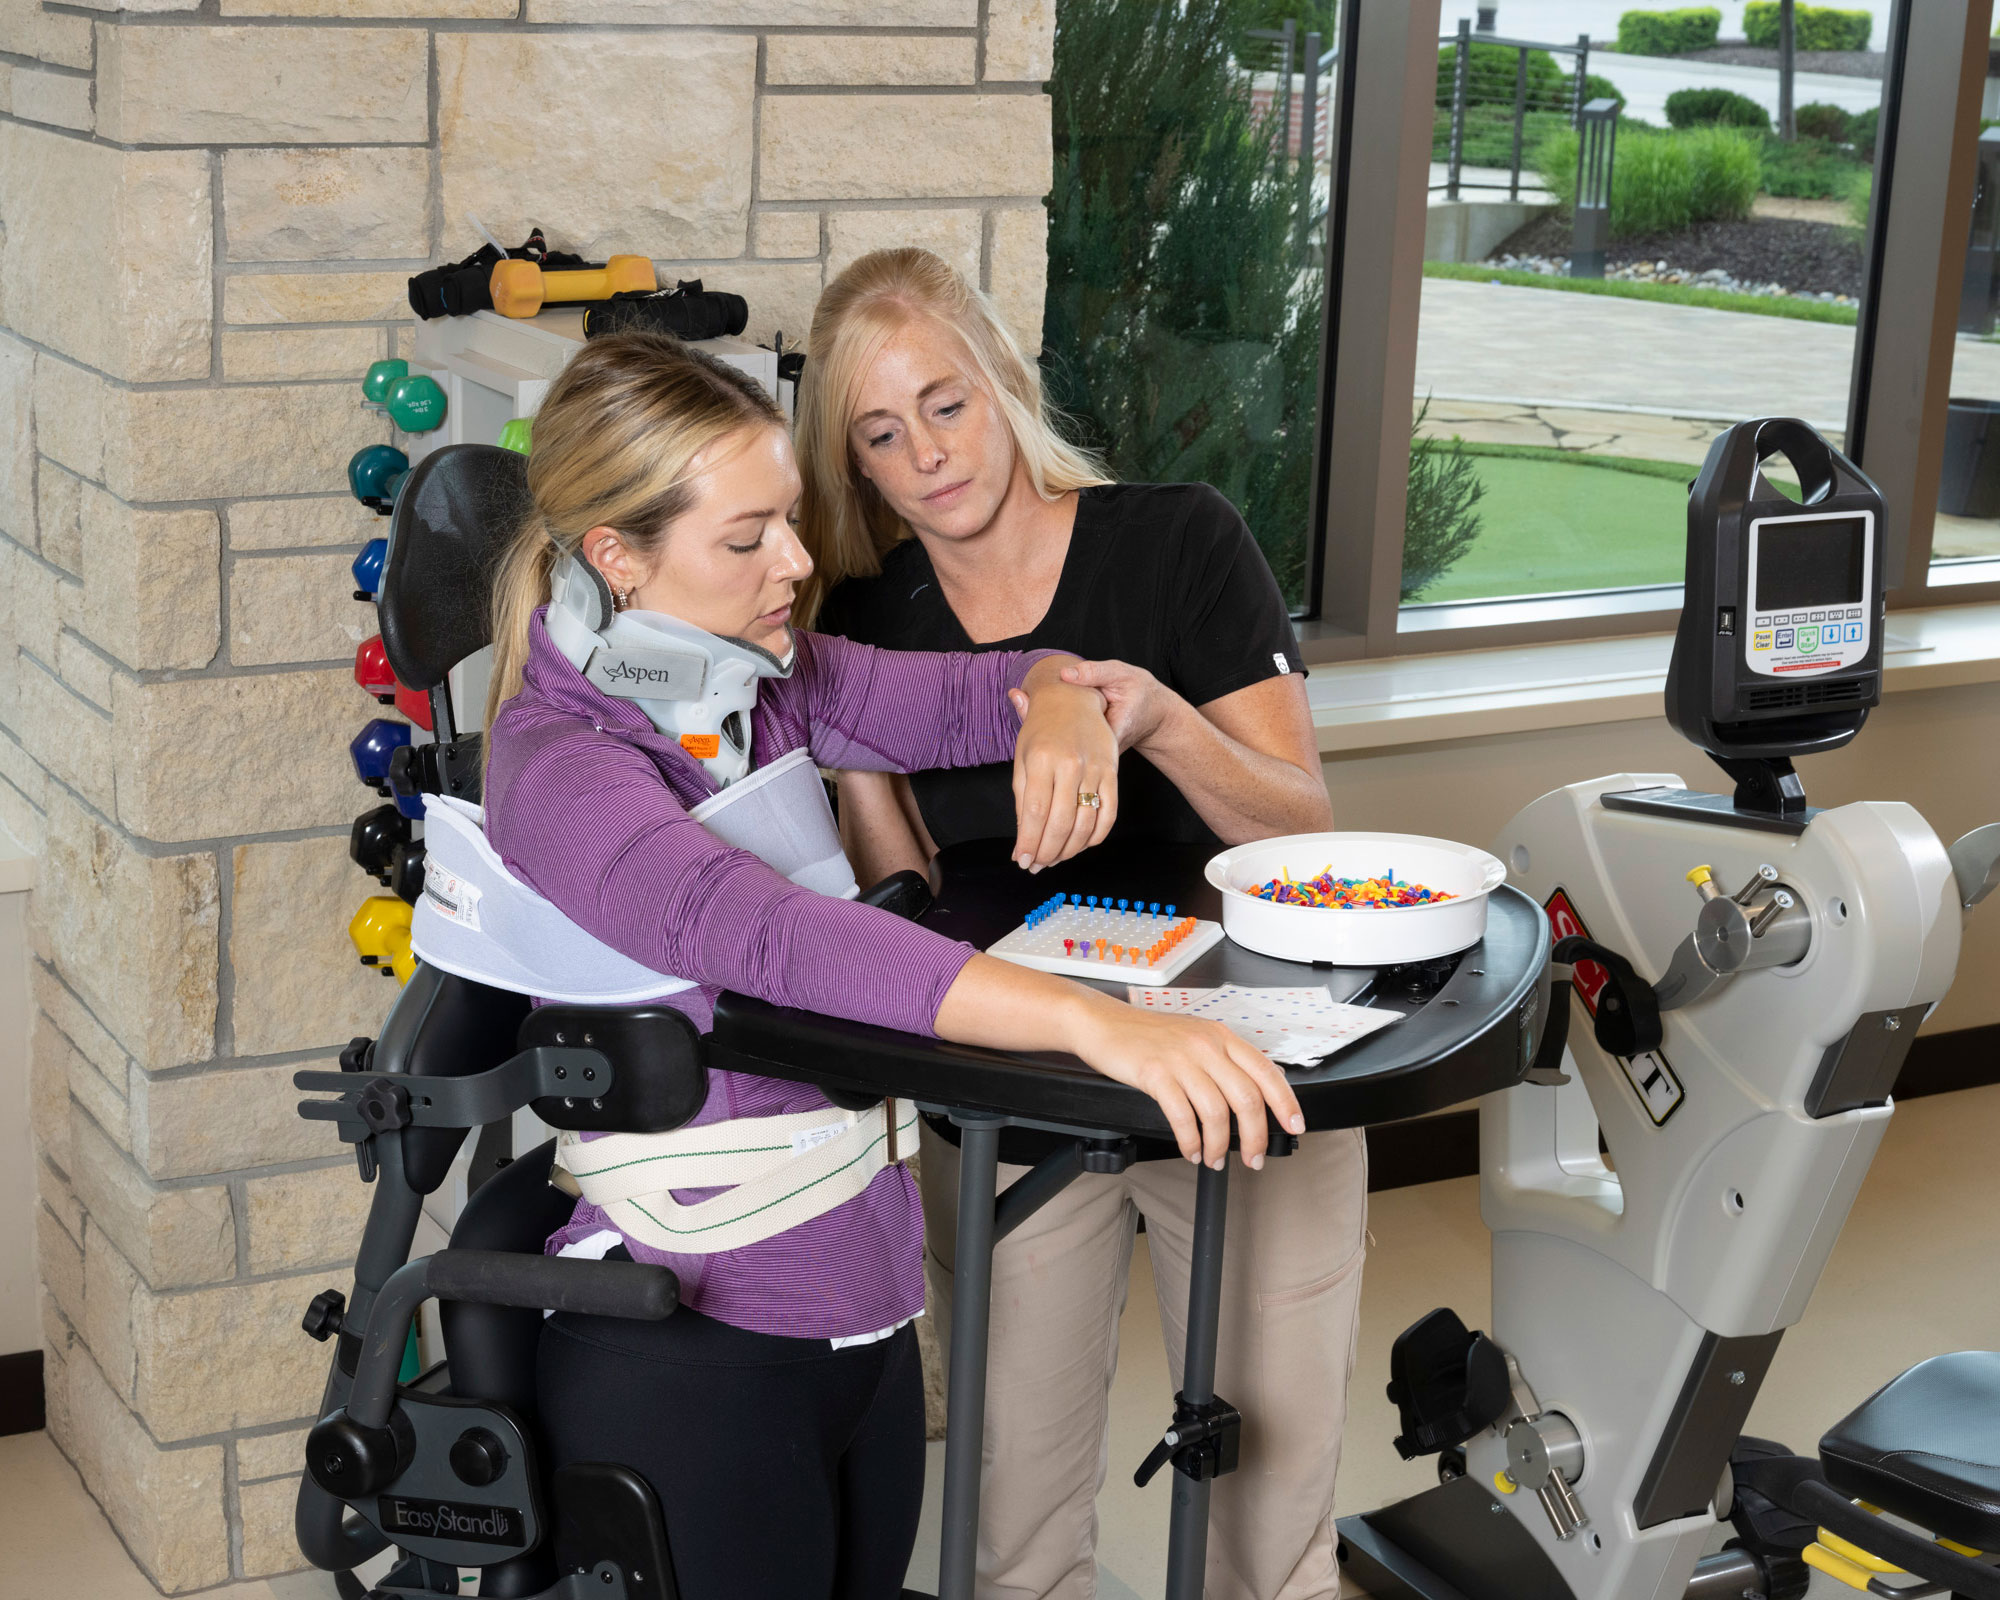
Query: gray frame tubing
<point x="1187" y="1534"/>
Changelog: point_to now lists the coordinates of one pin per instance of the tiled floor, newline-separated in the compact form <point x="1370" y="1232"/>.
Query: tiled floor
<point x="1913" y="1275"/>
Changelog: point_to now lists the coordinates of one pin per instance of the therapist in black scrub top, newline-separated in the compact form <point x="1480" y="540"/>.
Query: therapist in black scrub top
<point x="944" y="511"/>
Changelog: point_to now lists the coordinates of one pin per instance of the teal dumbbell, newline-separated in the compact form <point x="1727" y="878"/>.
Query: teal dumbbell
<point x="416" y="404"/>
<point x="370" y="471"/>
<point x="375" y="386"/>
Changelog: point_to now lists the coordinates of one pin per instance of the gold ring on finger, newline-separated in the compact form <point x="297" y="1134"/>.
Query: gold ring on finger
<point x="1089" y="798"/>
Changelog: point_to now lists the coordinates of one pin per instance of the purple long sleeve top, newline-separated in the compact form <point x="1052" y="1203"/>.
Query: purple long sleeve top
<point x="587" y="803"/>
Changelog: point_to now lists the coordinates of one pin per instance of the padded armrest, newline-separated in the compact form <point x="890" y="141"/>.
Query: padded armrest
<point x="553" y="1283"/>
<point x="659" y="1067"/>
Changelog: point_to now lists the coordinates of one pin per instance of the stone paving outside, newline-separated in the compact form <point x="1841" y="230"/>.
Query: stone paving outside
<point x="1606" y="376"/>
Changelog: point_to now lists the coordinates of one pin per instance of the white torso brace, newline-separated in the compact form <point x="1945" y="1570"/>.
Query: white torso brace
<point x="476" y="919"/>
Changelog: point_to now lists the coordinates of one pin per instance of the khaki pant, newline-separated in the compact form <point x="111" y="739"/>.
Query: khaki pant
<point x="1291" y="1295"/>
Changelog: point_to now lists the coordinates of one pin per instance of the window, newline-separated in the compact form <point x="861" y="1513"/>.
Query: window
<point x="1536" y="488"/>
<point x="1574" y="359"/>
<point x="1187" y="264"/>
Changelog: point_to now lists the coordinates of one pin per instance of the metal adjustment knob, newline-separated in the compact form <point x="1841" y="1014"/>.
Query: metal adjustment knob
<point x="324" y="1316"/>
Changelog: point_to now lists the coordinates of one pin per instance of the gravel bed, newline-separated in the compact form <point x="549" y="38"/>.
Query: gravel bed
<point x="1841" y="63"/>
<point x="1814" y="260"/>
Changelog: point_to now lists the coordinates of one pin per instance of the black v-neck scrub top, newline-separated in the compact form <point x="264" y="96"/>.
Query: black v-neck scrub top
<point x="1165" y="576"/>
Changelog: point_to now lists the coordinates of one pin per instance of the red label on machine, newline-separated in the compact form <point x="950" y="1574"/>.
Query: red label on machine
<point x="1589" y="978"/>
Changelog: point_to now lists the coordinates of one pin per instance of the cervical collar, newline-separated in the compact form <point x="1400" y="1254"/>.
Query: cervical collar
<point x="692" y="685"/>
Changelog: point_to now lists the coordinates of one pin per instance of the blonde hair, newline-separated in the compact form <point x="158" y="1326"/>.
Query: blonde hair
<point x="614" y="446"/>
<point x="845" y="523"/>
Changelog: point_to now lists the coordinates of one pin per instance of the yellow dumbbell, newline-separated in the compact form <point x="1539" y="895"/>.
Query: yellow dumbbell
<point x="522" y="288"/>
<point x="380" y="930"/>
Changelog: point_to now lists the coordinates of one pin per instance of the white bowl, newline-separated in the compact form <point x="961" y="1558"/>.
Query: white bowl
<point x="1360" y="938"/>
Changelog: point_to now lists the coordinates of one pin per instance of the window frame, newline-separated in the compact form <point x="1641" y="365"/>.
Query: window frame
<point x="1904" y="336"/>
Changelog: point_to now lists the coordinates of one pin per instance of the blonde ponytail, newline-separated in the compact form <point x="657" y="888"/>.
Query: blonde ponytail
<point x="616" y="441"/>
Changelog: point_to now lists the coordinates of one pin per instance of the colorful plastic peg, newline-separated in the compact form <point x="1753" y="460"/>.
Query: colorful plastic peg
<point x="518" y="434"/>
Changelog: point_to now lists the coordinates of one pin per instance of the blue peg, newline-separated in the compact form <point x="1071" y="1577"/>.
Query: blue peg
<point x="1154" y="908"/>
<point x="1090" y="900"/>
<point x="1170" y="911"/>
<point x="1076" y="899"/>
<point x="1122" y="904"/>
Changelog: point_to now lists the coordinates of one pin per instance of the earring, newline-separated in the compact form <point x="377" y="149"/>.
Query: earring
<point x="621" y="599"/>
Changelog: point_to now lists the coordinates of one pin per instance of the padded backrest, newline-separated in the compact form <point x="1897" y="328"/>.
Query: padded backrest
<point x="456" y="513"/>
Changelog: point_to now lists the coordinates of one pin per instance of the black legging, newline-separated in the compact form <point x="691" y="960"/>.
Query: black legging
<point x="787" y="1470"/>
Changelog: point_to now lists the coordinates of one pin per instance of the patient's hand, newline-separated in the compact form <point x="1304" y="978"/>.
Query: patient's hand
<point x="1066" y="750"/>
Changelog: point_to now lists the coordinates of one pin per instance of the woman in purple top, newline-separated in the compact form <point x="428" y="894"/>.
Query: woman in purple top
<point x="779" y="1413"/>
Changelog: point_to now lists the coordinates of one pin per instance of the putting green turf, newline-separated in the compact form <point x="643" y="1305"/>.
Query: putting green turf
<point x="1552" y="525"/>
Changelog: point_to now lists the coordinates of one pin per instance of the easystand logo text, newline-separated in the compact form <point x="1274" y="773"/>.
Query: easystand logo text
<point x="444" y="1519"/>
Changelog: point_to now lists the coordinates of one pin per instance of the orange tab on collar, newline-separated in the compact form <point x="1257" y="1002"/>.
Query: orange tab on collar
<point x="702" y="746"/>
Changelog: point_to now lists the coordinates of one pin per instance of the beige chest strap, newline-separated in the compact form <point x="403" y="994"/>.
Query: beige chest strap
<point x="781" y="1171"/>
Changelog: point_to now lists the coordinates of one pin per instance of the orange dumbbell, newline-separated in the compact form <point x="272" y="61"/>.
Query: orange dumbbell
<point x="522" y="288"/>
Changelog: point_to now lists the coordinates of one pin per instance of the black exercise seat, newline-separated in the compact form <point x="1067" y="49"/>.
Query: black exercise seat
<point x="1926" y="1447"/>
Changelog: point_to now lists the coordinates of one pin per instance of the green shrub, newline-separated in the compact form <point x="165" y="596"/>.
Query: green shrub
<point x="1818" y="120"/>
<point x="1597" y="88"/>
<point x="1441" y="518"/>
<point x="1661" y="182"/>
<point x="1809" y="169"/>
<point x="1861" y="133"/>
<point x="1691" y="108"/>
<point x="1725" y="171"/>
<point x="1667" y="33"/>
<point x="1490" y="74"/>
<point x="1813" y="27"/>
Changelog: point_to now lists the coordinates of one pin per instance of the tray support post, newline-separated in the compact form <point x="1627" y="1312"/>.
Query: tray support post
<point x="971" y="1312"/>
<point x="1187" y="1537"/>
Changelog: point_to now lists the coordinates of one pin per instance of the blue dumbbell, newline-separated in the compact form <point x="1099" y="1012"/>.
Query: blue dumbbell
<point x="374" y="747"/>
<point x="367" y="569"/>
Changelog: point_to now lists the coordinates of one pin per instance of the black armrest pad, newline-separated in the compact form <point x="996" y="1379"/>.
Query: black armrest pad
<point x="551" y="1283"/>
<point x="658" y="1062"/>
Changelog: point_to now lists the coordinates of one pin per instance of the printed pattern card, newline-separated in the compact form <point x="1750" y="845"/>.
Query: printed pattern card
<point x="1294" y="1027"/>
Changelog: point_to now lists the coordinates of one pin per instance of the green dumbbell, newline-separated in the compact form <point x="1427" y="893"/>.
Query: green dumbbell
<point x="517" y="435"/>
<point x="369" y="471"/>
<point x="375" y="386"/>
<point x="416" y="404"/>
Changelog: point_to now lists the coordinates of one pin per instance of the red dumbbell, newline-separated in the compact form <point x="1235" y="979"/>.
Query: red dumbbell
<point x="372" y="670"/>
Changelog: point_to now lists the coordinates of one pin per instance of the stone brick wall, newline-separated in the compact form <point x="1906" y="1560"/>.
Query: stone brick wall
<point x="207" y="215"/>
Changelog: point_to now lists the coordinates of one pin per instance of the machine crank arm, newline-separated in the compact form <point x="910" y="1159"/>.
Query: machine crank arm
<point x="1688" y="977"/>
<point x="1975" y="863"/>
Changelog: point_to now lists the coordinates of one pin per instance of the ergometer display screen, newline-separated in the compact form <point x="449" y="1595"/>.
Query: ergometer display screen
<point x="1813" y="561"/>
<point x="1810" y="579"/>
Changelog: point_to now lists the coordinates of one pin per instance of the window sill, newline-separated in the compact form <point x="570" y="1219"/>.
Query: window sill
<point x="1377" y="705"/>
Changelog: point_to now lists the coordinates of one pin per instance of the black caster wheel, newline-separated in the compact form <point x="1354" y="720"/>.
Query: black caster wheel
<point x="1451" y="1465"/>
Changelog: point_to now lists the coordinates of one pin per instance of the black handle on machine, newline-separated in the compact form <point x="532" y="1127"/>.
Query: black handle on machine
<point x="1628" y="1014"/>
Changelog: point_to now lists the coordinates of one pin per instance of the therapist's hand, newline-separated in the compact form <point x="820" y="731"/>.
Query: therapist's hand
<point x="1136" y="704"/>
<point x="1065" y="749"/>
